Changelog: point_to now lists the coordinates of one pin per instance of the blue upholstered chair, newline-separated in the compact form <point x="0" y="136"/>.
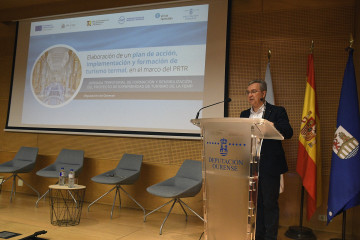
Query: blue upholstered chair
<point x="23" y="162"/>
<point x="127" y="172"/>
<point x="186" y="183"/>
<point x="67" y="159"/>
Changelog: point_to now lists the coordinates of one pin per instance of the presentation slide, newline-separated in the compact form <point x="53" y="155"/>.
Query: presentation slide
<point x="134" y="71"/>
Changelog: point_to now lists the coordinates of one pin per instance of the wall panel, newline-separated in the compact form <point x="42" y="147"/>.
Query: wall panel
<point x="284" y="26"/>
<point x="288" y="34"/>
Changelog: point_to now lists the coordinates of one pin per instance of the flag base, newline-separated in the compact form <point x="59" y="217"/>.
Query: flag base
<point x="297" y="232"/>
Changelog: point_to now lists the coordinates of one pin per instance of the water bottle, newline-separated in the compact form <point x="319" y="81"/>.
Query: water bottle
<point x="62" y="177"/>
<point x="71" y="179"/>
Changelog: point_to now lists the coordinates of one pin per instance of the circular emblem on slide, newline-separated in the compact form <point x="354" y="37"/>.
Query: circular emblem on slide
<point x="56" y="76"/>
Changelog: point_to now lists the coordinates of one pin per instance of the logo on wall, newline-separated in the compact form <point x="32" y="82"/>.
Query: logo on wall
<point x="344" y="144"/>
<point x="223" y="147"/>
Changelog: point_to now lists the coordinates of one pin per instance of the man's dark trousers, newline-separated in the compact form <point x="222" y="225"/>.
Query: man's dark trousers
<point x="267" y="217"/>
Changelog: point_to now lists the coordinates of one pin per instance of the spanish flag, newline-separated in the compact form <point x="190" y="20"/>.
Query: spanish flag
<point x="309" y="159"/>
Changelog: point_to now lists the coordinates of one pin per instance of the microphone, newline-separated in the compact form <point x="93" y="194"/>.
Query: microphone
<point x="225" y="101"/>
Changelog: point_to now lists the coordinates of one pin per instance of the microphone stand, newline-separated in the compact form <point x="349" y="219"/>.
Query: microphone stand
<point x="226" y="100"/>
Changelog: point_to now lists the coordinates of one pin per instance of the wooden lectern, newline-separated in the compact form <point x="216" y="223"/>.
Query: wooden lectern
<point x="231" y="155"/>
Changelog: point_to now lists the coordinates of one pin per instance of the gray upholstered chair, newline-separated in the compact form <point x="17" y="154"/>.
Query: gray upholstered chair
<point x="23" y="162"/>
<point x="67" y="159"/>
<point x="186" y="183"/>
<point x="127" y="172"/>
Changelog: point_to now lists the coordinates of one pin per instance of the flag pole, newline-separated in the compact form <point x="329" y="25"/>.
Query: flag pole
<point x="269" y="55"/>
<point x="300" y="232"/>
<point x="343" y="227"/>
<point x="351" y="42"/>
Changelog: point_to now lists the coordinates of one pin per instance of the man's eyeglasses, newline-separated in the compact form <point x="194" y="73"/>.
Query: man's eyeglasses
<point x="252" y="91"/>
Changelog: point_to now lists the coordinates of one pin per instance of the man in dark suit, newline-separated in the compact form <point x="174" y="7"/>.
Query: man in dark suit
<point x="272" y="160"/>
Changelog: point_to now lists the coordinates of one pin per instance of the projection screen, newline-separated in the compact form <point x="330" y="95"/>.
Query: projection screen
<point x="138" y="71"/>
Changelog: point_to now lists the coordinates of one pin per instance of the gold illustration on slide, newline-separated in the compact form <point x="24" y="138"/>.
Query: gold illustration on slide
<point x="56" y="76"/>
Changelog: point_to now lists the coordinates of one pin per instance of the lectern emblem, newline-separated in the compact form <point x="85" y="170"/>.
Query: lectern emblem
<point x="223" y="147"/>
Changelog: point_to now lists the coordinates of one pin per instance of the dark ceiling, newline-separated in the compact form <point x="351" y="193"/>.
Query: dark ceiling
<point x="11" y="10"/>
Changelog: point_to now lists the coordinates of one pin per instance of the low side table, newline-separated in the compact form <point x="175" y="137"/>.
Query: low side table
<point x="66" y="204"/>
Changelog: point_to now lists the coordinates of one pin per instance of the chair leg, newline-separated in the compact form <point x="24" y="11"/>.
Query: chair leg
<point x="181" y="201"/>
<point x="172" y="200"/>
<point x="27" y="184"/>
<point x="2" y="183"/>
<point x="167" y="215"/>
<point x="132" y="199"/>
<point x="118" y="190"/>
<point x="186" y="215"/>
<point x="72" y="196"/>
<point x="116" y="193"/>
<point x="4" y="180"/>
<point x="100" y="197"/>
<point x="43" y="196"/>
<point x="13" y="187"/>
